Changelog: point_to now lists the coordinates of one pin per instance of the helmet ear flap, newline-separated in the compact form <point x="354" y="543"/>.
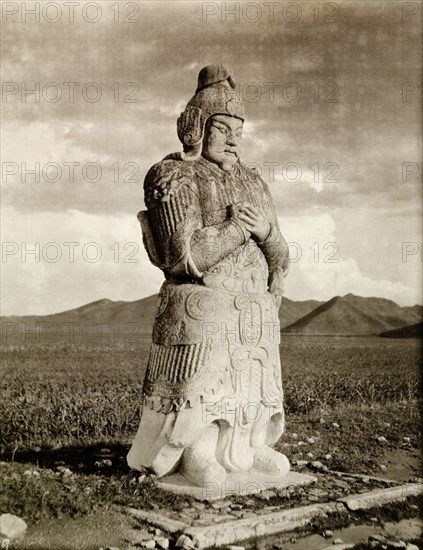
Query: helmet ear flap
<point x="190" y="126"/>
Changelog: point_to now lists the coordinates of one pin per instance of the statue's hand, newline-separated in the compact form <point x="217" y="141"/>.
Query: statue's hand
<point x="254" y="221"/>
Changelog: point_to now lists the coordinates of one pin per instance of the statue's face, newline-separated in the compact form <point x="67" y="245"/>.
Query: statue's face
<point x="222" y="139"/>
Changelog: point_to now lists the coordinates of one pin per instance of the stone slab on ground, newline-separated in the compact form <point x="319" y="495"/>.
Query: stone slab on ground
<point x="162" y="522"/>
<point x="282" y="521"/>
<point x="236" y="484"/>
<point x="381" y="496"/>
<point x="231" y="531"/>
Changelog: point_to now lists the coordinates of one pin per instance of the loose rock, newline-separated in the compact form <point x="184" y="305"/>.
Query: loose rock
<point x="377" y="538"/>
<point x="12" y="526"/>
<point x="63" y="470"/>
<point x="319" y="466"/>
<point x="184" y="542"/>
<point x="266" y="495"/>
<point x="162" y="542"/>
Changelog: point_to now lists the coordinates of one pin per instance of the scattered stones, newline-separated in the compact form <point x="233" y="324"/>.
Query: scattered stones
<point x="310" y="455"/>
<point x="382" y="467"/>
<point x="219" y="504"/>
<point x="377" y="538"/>
<point x="386" y="425"/>
<point x="411" y="547"/>
<point x="365" y="479"/>
<point x="198" y="505"/>
<point x="142" y="479"/>
<point x="185" y="542"/>
<point x="163" y="543"/>
<point x="12" y="526"/>
<point x="148" y="544"/>
<point x="382" y="439"/>
<point x="103" y="463"/>
<point x="406" y="439"/>
<point x="266" y="495"/>
<point x="63" y="470"/>
<point x="335" y="425"/>
<point x="338" y="541"/>
<point x="341" y="484"/>
<point x="328" y="457"/>
<point x="328" y="534"/>
<point x="31" y="473"/>
<point x="311" y="440"/>
<point x="294" y="436"/>
<point x="319" y="466"/>
<point x="301" y="463"/>
<point x="235" y="548"/>
<point x="322" y="421"/>
<point x="301" y="443"/>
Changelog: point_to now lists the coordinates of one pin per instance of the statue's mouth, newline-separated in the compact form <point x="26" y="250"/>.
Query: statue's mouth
<point x="230" y="152"/>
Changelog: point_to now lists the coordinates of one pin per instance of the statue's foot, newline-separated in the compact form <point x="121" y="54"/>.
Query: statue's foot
<point x="202" y="468"/>
<point x="270" y="461"/>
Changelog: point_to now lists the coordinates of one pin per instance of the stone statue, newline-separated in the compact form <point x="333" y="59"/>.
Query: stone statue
<point x="212" y="400"/>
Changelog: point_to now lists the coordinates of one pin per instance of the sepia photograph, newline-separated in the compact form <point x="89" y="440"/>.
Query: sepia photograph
<point x="211" y="275"/>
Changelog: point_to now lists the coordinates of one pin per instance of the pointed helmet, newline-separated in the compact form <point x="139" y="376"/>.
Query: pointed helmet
<point x="215" y="95"/>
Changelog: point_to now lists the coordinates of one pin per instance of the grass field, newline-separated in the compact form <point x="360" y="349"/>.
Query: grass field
<point x="62" y="405"/>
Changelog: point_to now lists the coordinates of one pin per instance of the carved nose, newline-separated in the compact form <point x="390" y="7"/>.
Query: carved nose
<point x="231" y="140"/>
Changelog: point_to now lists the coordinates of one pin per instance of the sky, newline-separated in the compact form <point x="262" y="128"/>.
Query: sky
<point x="332" y="92"/>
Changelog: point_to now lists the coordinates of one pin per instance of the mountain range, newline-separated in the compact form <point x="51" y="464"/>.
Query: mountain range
<point x="348" y="315"/>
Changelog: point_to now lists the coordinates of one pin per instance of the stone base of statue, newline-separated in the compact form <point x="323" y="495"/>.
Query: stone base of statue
<point x="243" y="483"/>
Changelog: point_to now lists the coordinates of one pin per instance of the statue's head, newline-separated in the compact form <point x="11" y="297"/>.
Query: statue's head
<point x="212" y="121"/>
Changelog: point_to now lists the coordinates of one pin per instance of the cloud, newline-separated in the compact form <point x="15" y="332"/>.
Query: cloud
<point x="106" y="260"/>
<point x="321" y="268"/>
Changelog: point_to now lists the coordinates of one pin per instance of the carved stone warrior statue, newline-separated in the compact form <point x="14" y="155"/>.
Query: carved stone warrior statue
<point x="212" y="401"/>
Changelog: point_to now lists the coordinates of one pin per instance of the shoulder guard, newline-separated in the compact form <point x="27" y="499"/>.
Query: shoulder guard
<point x="165" y="179"/>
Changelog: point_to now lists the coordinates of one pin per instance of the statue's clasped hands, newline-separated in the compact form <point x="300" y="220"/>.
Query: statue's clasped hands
<point x="254" y="221"/>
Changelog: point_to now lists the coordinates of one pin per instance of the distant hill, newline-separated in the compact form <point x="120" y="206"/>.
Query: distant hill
<point x="105" y="321"/>
<point x="290" y="310"/>
<point x="409" y="331"/>
<point x="355" y="315"/>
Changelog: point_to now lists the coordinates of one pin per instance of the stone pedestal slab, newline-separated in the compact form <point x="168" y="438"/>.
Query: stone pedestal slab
<point x="248" y="483"/>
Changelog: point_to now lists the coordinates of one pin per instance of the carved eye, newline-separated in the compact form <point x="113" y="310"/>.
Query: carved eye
<point x="221" y="129"/>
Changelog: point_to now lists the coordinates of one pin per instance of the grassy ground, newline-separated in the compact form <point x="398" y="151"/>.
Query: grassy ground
<point x="78" y="408"/>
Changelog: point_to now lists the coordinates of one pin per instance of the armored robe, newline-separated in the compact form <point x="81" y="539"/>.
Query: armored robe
<point x="215" y="351"/>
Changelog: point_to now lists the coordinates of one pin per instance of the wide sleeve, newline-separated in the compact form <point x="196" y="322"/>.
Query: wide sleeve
<point x="173" y="231"/>
<point x="275" y="248"/>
